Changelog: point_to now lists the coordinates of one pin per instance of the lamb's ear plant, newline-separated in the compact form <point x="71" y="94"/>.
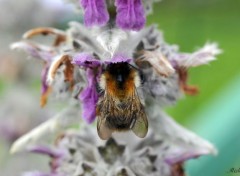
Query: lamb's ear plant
<point x="113" y="68"/>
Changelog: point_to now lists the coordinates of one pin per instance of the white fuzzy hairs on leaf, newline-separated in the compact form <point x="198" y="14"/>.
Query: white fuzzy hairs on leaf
<point x="34" y="49"/>
<point x="48" y="129"/>
<point x="202" y="56"/>
<point x="111" y="39"/>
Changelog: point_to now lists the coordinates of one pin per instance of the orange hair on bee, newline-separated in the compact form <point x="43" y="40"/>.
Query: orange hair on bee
<point x="128" y="87"/>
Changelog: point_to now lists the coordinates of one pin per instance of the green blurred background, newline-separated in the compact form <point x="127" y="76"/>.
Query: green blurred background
<point x="192" y="23"/>
<point x="214" y="113"/>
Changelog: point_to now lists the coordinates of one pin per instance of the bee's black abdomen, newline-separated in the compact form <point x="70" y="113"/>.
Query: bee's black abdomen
<point x="119" y="123"/>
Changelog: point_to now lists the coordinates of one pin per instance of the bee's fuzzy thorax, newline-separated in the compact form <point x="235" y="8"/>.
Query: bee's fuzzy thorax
<point x="119" y="89"/>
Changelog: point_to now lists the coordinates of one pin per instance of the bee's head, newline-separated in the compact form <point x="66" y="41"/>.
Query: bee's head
<point x="119" y="72"/>
<point x="121" y="75"/>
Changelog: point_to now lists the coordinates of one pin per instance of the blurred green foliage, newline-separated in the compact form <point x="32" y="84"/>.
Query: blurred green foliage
<point x="190" y="24"/>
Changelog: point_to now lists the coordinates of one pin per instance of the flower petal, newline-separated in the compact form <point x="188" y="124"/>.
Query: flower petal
<point x="117" y="59"/>
<point x="86" y="60"/>
<point x="202" y="56"/>
<point x="53" y="153"/>
<point x="35" y="50"/>
<point x="60" y="35"/>
<point x="179" y="155"/>
<point x="44" y="78"/>
<point x="59" y="61"/>
<point x="130" y="14"/>
<point x="89" y="97"/>
<point x="95" y="12"/>
<point x="45" y="90"/>
<point x="159" y="63"/>
<point x="36" y="173"/>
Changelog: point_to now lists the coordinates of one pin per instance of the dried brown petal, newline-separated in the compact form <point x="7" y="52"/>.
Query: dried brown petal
<point x="60" y="35"/>
<point x="178" y="170"/>
<point x="158" y="61"/>
<point x="183" y="78"/>
<point x="44" y="97"/>
<point x="68" y="71"/>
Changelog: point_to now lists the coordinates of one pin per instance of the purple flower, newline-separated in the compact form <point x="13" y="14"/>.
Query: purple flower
<point x="53" y="153"/>
<point x="45" y="87"/>
<point x="56" y="155"/>
<point x="130" y="14"/>
<point x="118" y="58"/>
<point x="44" y="79"/>
<point x="167" y="145"/>
<point x="89" y="95"/>
<point x="85" y="60"/>
<point x="181" y="155"/>
<point x="95" y="12"/>
<point x="35" y="50"/>
<point x="39" y="174"/>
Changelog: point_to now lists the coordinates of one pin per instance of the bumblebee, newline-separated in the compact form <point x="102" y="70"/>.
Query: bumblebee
<point x="119" y="108"/>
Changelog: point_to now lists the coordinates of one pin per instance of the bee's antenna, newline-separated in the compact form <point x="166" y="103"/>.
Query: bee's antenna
<point x="134" y="67"/>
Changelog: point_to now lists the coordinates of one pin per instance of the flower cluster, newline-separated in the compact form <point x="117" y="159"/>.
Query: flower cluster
<point x="123" y="73"/>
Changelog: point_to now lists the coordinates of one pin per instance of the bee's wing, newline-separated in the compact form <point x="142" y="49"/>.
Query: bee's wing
<point x="140" y="124"/>
<point x="104" y="132"/>
<point x="140" y="127"/>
